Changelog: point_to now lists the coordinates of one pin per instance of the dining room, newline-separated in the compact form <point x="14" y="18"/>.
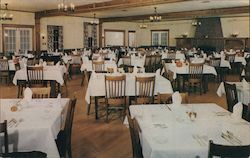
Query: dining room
<point x="125" y="78"/>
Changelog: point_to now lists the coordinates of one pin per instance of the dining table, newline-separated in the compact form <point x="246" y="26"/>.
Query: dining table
<point x="52" y="74"/>
<point x="88" y="66"/>
<point x="168" y="131"/>
<point x="96" y="86"/>
<point x="243" y="92"/>
<point x="34" y="125"/>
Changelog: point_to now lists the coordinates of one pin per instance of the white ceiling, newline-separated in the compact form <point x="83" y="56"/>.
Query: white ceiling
<point x="40" y="5"/>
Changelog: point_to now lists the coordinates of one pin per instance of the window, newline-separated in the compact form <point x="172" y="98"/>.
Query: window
<point x="114" y="38"/>
<point x="131" y="39"/>
<point x="159" y="37"/>
<point x="18" y="39"/>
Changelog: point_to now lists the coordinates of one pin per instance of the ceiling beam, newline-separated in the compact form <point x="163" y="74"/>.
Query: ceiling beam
<point x="184" y="15"/>
<point x="114" y="4"/>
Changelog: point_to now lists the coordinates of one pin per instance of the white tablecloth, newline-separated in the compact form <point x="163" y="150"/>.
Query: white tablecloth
<point x="242" y="93"/>
<point x="185" y="69"/>
<point x="170" y="134"/>
<point x="39" y="122"/>
<point x="96" y="85"/>
<point x="49" y="73"/>
<point x="107" y="64"/>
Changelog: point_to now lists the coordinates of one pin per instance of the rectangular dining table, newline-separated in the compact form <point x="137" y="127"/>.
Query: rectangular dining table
<point x="36" y="124"/>
<point x="52" y="74"/>
<point x="170" y="133"/>
<point x="96" y="86"/>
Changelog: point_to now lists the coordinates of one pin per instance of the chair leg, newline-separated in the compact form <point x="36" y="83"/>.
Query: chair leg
<point x="107" y="113"/>
<point x="88" y="109"/>
<point x="83" y="76"/>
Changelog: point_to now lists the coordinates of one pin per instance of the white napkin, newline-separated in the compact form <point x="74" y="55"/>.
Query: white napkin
<point x="245" y="84"/>
<point x="27" y="94"/>
<point x="135" y="70"/>
<point x="66" y="54"/>
<point x="237" y="111"/>
<point x="158" y="72"/>
<point x="176" y="98"/>
<point x="44" y="63"/>
<point x="4" y="58"/>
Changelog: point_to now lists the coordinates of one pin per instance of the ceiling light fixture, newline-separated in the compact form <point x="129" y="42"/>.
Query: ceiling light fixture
<point x="156" y="17"/>
<point x="143" y="25"/>
<point x="95" y="21"/>
<point x="4" y="13"/>
<point x="65" y="7"/>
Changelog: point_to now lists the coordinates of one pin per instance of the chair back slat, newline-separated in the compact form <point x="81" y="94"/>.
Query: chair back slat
<point x="230" y="57"/>
<point x="195" y="70"/>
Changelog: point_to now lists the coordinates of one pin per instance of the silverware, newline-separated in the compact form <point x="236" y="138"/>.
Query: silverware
<point x="232" y="136"/>
<point x="168" y="107"/>
<point x="224" y="136"/>
<point x="198" y="140"/>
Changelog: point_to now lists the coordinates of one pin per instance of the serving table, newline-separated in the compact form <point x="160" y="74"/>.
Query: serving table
<point x="170" y="133"/>
<point x="35" y="125"/>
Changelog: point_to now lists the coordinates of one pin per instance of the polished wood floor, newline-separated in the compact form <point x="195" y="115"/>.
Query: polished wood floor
<point x="91" y="138"/>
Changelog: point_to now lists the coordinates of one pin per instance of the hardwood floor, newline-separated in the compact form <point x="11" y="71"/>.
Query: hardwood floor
<point x="92" y="138"/>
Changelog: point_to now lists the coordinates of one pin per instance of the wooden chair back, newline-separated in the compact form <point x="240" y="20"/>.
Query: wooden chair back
<point x="98" y="66"/>
<point x="35" y="76"/>
<point x="215" y="62"/>
<point x="228" y="151"/>
<point x="115" y="90"/>
<point x="144" y="90"/>
<point x="126" y="60"/>
<point x="166" y="98"/>
<point x="41" y="92"/>
<point x="4" y="65"/>
<point x="246" y="112"/>
<point x="135" y="129"/>
<point x="171" y="55"/>
<point x="64" y="137"/>
<point x="230" y="57"/>
<point x="4" y="130"/>
<point x="195" y="70"/>
<point x="76" y="59"/>
<point x="231" y="95"/>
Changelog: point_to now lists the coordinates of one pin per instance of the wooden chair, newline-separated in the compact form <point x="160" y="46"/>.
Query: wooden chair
<point x="228" y="151"/>
<point x="98" y="66"/>
<point x="247" y="73"/>
<point x="148" y="65"/>
<point x="166" y="98"/>
<point x="195" y="76"/>
<point x="246" y="112"/>
<point x="7" y="154"/>
<point x="135" y="129"/>
<point x="115" y="89"/>
<point x="126" y="63"/>
<point x="215" y="62"/>
<point x="76" y="63"/>
<point x="4" y="70"/>
<point x="158" y="63"/>
<point x="231" y="95"/>
<point x="144" y="90"/>
<point x="63" y="140"/>
<point x="35" y="76"/>
<point x="41" y="92"/>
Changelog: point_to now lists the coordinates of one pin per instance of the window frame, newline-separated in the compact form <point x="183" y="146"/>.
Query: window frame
<point x="15" y="26"/>
<point x="164" y="30"/>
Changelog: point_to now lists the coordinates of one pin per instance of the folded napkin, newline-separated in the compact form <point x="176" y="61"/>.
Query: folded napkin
<point x="4" y="58"/>
<point x="158" y="72"/>
<point x="135" y="70"/>
<point x="176" y="98"/>
<point x="245" y="84"/>
<point x="44" y="63"/>
<point x="237" y="111"/>
<point x="66" y="54"/>
<point x="27" y="94"/>
<point x="74" y="52"/>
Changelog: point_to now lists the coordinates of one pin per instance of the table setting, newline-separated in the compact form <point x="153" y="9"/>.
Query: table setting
<point x="33" y="124"/>
<point x="184" y="130"/>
